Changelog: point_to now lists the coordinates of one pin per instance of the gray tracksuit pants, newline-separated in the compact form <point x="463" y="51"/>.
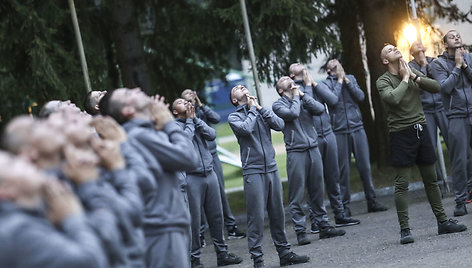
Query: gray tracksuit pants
<point x="459" y="136"/>
<point x="354" y="142"/>
<point x="169" y="249"/>
<point x="433" y="121"/>
<point x="264" y="191"/>
<point x="204" y="197"/>
<point x="229" y="219"/>
<point x="329" y="153"/>
<point x="305" y="171"/>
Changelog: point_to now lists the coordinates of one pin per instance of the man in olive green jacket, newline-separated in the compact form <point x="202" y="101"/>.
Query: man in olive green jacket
<point x="399" y="88"/>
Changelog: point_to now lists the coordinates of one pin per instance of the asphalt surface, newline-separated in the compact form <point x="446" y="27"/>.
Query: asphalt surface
<point x="373" y="243"/>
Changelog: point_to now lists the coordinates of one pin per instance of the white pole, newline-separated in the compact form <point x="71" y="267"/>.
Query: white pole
<point x="441" y="161"/>
<point x="252" y="56"/>
<point x="83" y="61"/>
<point x="415" y="19"/>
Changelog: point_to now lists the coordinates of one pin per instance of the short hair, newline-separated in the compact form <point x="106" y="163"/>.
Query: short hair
<point x="89" y="107"/>
<point x="17" y="133"/>
<point x="231" y="97"/>
<point x="47" y="109"/>
<point x="445" y="36"/>
<point x="112" y="108"/>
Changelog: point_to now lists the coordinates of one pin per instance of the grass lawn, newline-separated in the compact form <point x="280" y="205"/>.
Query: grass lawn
<point x="233" y="176"/>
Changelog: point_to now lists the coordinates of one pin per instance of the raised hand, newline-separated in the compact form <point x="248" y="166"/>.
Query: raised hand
<point x="109" y="153"/>
<point x="81" y="164"/>
<point x="61" y="202"/>
<point x="107" y="128"/>
<point x="403" y="70"/>
<point x="160" y="113"/>
<point x="459" y="58"/>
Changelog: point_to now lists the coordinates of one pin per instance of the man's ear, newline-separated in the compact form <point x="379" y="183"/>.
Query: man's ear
<point x="280" y="91"/>
<point x="385" y="61"/>
<point x="174" y="112"/>
<point x="128" y="111"/>
<point x="96" y="107"/>
<point x="292" y="76"/>
<point x="234" y="101"/>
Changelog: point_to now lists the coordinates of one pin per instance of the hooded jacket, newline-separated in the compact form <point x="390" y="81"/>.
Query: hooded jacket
<point x="166" y="153"/>
<point x="345" y="114"/>
<point x="299" y="131"/>
<point x="323" y="95"/>
<point x="200" y="134"/>
<point x="432" y="102"/>
<point x="252" y="129"/>
<point x="456" y="84"/>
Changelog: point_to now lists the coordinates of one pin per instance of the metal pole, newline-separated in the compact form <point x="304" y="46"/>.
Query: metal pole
<point x="441" y="162"/>
<point x="83" y="61"/>
<point x="252" y="56"/>
<point x="415" y="19"/>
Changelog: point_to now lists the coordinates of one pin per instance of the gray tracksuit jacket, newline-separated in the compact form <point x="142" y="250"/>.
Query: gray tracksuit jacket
<point x="210" y="117"/>
<point x="252" y="129"/>
<point x="456" y="84"/>
<point x="199" y="132"/>
<point x="28" y="239"/>
<point x="432" y="102"/>
<point x="299" y="131"/>
<point x="166" y="152"/>
<point x="323" y="95"/>
<point x="345" y="113"/>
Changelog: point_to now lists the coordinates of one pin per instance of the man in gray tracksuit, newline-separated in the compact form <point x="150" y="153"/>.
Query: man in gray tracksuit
<point x="326" y="144"/>
<point x="452" y="71"/>
<point x="35" y="235"/>
<point x="251" y="123"/>
<point x="211" y="117"/>
<point x="304" y="164"/>
<point x="347" y="125"/>
<point x="167" y="152"/>
<point x="432" y="102"/>
<point x="203" y="190"/>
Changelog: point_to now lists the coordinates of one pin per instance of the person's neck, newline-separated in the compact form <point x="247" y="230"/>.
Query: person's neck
<point x="143" y="115"/>
<point x="393" y="67"/>
<point x="420" y="58"/>
<point x="451" y="51"/>
<point x="298" y="77"/>
<point x="181" y="116"/>
<point x="288" y="94"/>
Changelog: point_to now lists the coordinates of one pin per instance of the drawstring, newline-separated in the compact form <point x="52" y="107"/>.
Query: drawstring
<point x="418" y="128"/>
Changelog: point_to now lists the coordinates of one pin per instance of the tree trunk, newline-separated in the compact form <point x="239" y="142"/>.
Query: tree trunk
<point x="348" y="22"/>
<point x="129" y="48"/>
<point x="381" y="18"/>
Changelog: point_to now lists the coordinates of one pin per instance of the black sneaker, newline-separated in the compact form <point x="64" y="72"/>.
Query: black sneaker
<point x="196" y="263"/>
<point x="202" y="241"/>
<point x="302" y="239"/>
<point x="226" y="258"/>
<point x="314" y="228"/>
<point x="406" y="236"/>
<point x="259" y="262"/>
<point x="450" y="226"/>
<point x="460" y="210"/>
<point x="292" y="258"/>
<point x="376" y="207"/>
<point x="346" y="221"/>
<point x="234" y="233"/>
<point x="329" y="231"/>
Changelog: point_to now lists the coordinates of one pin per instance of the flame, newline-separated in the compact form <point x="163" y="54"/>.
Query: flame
<point x="430" y="38"/>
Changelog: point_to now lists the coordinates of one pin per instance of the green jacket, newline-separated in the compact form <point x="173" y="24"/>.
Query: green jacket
<point x="402" y="100"/>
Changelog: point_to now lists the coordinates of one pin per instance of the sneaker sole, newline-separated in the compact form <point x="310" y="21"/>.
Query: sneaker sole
<point x="314" y="232"/>
<point x="231" y="237"/>
<point x="408" y="240"/>
<point x="347" y="224"/>
<point x="458" y="231"/>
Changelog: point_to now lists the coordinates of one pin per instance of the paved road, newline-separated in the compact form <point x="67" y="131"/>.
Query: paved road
<point x="373" y="243"/>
